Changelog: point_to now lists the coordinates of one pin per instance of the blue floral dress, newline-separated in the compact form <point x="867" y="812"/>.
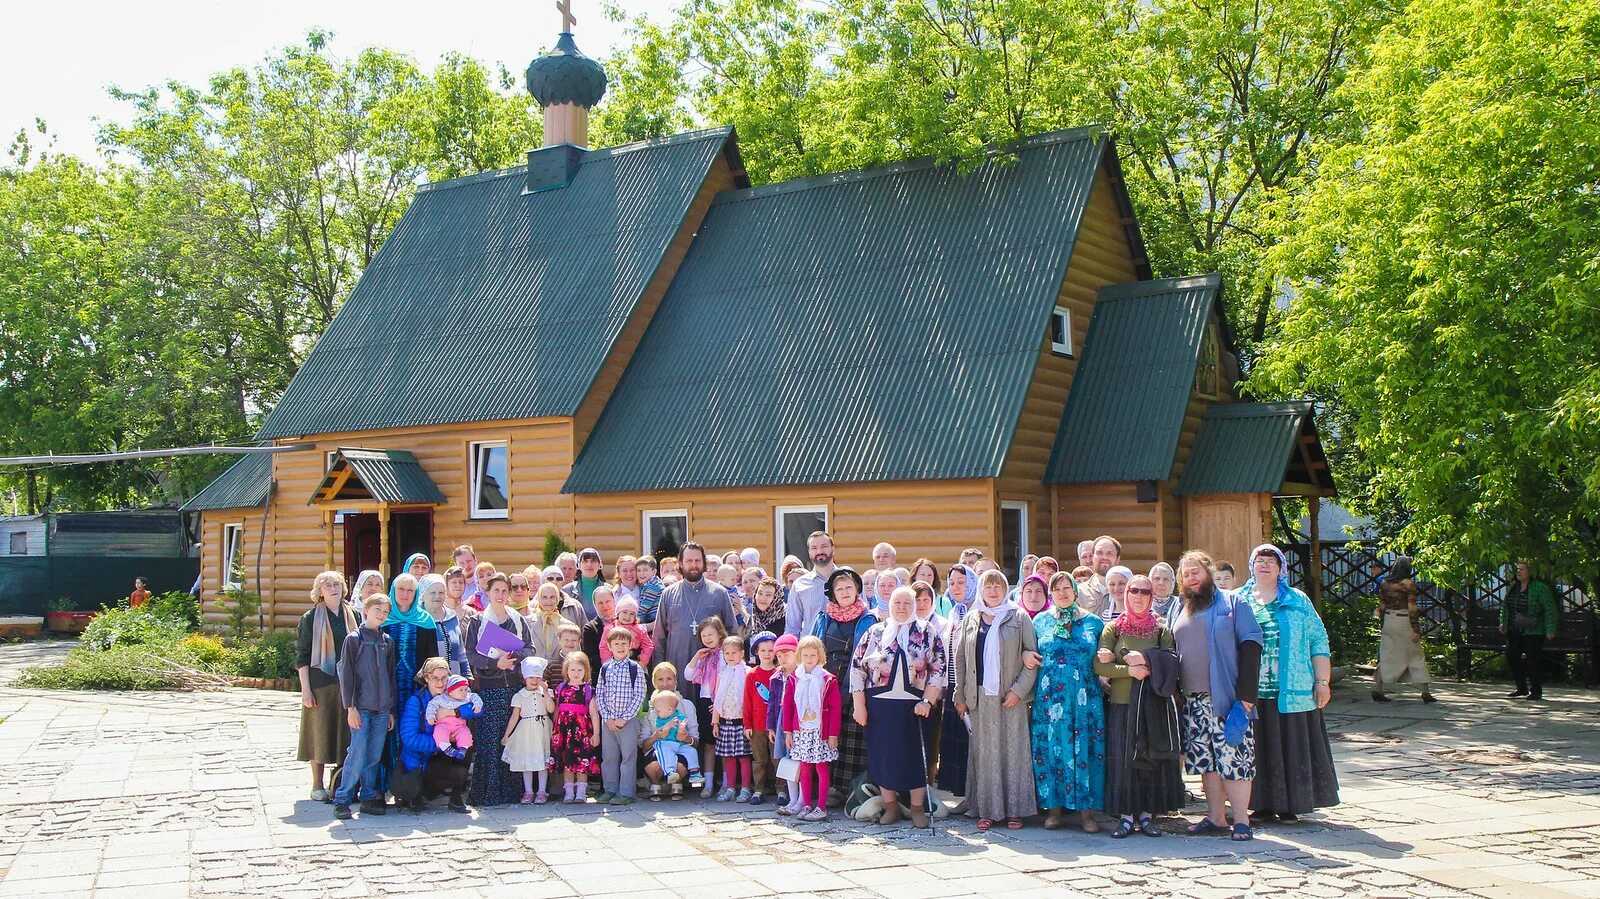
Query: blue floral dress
<point x="1069" y="719"/>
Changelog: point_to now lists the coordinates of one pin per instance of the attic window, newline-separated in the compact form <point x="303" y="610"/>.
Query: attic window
<point x="1205" y="376"/>
<point x="1061" y="331"/>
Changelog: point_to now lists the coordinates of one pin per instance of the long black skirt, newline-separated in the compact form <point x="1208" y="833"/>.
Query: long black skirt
<point x="493" y="781"/>
<point x="1135" y="789"/>
<point x="894" y="744"/>
<point x="1294" y="765"/>
<point x="852" y="752"/>
<point x="953" y="739"/>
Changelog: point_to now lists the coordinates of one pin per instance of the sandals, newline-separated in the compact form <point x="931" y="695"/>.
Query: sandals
<point x="1147" y="826"/>
<point x="1124" y="827"/>
<point x="1205" y="827"/>
<point x="984" y="824"/>
<point x="1242" y="832"/>
<point x="1013" y="823"/>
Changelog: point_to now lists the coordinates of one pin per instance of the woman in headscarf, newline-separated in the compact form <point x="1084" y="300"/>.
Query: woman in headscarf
<point x="416" y="639"/>
<point x="324" y="734"/>
<point x="927" y="598"/>
<point x="841" y="625"/>
<point x="994" y="688"/>
<point x="953" y="606"/>
<point x="1164" y="580"/>
<point x="1068" y="710"/>
<point x="883" y="585"/>
<point x="435" y="599"/>
<point x="1135" y="791"/>
<point x="1294" y="764"/>
<point x="767" y="607"/>
<point x="499" y="677"/>
<point x="1116" y="587"/>
<point x="896" y="676"/>
<point x="960" y="593"/>
<point x="1219" y="652"/>
<point x="366" y="583"/>
<point x="1400" y="655"/>
<point x="418" y="566"/>
<point x="1034" y="597"/>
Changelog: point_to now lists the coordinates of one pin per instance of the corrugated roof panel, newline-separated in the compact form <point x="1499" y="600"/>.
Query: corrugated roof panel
<point x="389" y="476"/>
<point x="242" y="485"/>
<point x="1125" y="411"/>
<point x="486" y="303"/>
<point x="868" y="326"/>
<point x="1243" y="448"/>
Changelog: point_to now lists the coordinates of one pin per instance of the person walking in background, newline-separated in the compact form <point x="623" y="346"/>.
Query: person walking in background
<point x="1528" y="617"/>
<point x="1400" y="654"/>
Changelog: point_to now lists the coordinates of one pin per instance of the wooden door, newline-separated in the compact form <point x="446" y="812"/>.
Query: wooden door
<point x="1227" y="526"/>
<point x="361" y="548"/>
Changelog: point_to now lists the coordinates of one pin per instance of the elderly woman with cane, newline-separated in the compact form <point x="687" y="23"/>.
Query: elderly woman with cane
<point x="895" y="678"/>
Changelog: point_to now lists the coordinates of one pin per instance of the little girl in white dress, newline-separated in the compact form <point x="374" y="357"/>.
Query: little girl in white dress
<point x="527" y="738"/>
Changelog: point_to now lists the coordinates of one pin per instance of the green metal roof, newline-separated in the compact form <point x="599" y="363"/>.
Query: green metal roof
<point x="490" y="303"/>
<point x="869" y="326"/>
<point x="1245" y="448"/>
<point x="1125" y="411"/>
<point x="385" y="476"/>
<point x="243" y="485"/>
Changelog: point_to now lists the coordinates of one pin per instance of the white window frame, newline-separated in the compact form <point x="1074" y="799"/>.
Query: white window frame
<point x="1022" y="545"/>
<point x="474" y="451"/>
<point x="232" y="545"/>
<point x="1062" y="347"/>
<point x="777" y="526"/>
<point x="645" y="517"/>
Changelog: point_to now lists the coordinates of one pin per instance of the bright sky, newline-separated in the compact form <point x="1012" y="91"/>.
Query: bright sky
<point x="61" y="56"/>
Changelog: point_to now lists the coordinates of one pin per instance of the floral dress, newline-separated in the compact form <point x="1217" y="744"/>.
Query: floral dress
<point x="569" y="743"/>
<point x="1069" y="722"/>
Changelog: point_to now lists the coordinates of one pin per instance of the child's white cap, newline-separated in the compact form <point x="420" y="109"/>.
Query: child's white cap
<point x="533" y="666"/>
<point x="750" y="556"/>
<point x="455" y="681"/>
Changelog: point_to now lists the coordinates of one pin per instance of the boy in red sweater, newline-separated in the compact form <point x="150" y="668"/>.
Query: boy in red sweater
<point x="757" y="691"/>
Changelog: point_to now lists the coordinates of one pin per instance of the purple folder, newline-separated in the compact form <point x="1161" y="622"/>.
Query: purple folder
<point x="493" y="637"/>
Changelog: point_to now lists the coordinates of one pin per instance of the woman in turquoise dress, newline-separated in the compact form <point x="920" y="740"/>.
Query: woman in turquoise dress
<point x="1069" y="720"/>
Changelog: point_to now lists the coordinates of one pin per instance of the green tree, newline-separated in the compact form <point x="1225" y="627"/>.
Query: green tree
<point x="1443" y="264"/>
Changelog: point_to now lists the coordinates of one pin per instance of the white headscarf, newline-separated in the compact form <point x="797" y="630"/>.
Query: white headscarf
<point x="991" y="646"/>
<point x="808" y="696"/>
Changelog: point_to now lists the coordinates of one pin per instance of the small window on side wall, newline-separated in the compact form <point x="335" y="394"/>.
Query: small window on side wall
<point x="1061" y="331"/>
<point x="664" y="531"/>
<point x="791" y="526"/>
<point x="491" y="481"/>
<point x="232" y="556"/>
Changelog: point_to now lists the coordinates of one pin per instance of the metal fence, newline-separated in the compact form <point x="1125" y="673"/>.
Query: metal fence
<point x="1468" y="619"/>
<point x="29" y="583"/>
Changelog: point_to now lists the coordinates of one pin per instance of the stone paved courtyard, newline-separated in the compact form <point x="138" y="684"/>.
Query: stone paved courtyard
<point x="152" y="795"/>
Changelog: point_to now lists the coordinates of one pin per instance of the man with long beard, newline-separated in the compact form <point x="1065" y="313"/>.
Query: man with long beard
<point x="683" y="606"/>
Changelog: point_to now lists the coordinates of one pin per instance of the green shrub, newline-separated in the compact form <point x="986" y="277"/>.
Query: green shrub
<point x="554" y="546"/>
<point x="125" y="666"/>
<point x="241" y="609"/>
<point x="177" y="605"/>
<point x="208" y="650"/>
<point x="1352" y="630"/>
<point x="129" y="627"/>
<point x="270" y="656"/>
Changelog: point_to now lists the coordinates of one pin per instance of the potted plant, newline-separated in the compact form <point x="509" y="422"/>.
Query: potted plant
<point x="63" y="619"/>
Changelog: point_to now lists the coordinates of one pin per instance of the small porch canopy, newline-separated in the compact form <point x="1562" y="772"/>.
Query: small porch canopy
<point x="372" y="479"/>
<point x="1254" y="453"/>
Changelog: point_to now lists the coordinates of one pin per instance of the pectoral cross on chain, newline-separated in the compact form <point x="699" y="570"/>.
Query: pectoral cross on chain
<point x="567" y="19"/>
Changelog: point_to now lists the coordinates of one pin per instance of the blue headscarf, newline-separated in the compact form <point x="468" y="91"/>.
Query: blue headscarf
<point x="955" y="608"/>
<point x="416" y="616"/>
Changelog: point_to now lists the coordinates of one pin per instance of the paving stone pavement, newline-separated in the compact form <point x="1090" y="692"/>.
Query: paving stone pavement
<point x="153" y="795"/>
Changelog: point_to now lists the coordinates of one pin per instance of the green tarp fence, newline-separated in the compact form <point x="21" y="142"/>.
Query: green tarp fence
<point x="28" y="583"/>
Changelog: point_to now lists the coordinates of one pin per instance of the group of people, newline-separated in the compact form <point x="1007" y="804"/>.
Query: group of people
<point x="1070" y="691"/>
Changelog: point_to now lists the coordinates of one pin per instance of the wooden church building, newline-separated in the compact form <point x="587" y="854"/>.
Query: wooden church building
<point x="632" y="346"/>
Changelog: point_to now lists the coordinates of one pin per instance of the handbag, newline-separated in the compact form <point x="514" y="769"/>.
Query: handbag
<point x="789" y="768"/>
<point x="405" y="785"/>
